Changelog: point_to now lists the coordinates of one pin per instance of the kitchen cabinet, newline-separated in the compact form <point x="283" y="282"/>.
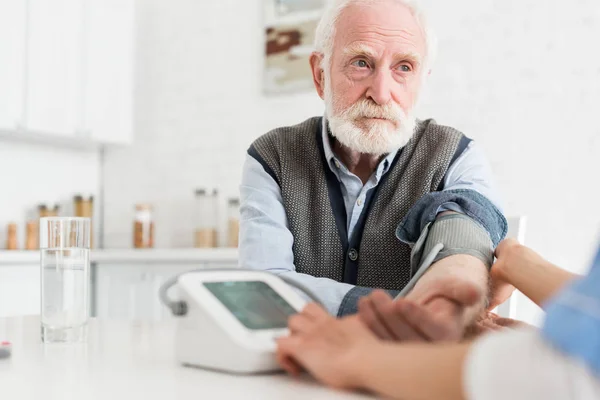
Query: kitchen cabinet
<point x="19" y="289"/>
<point x="124" y="283"/>
<point x="55" y="66"/>
<point x="130" y="291"/>
<point x="109" y="53"/>
<point x="12" y="63"/>
<point x="66" y="70"/>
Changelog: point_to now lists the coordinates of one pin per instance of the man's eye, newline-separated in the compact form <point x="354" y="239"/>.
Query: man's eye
<point x="405" y="68"/>
<point x="360" y="64"/>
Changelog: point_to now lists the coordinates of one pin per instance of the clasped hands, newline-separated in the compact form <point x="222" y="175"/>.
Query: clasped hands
<point x="319" y="341"/>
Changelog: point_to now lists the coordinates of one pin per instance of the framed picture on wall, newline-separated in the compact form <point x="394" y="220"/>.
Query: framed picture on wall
<point x="293" y="6"/>
<point x="289" y="34"/>
<point x="287" y="51"/>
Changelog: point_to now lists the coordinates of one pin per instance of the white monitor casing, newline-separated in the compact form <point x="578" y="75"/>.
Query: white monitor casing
<point x="210" y="336"/>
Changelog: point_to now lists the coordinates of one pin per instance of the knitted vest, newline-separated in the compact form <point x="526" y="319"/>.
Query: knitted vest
<point x="311" y="194"/>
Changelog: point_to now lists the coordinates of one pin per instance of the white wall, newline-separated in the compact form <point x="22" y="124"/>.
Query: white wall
<point x="32" y="174"/>
<point x="198" y="107"/>
<point x="522" y="77"/>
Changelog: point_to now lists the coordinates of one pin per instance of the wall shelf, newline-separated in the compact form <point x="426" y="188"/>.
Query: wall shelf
<point x="133" y="256"/>
<point x="76" y="142"/>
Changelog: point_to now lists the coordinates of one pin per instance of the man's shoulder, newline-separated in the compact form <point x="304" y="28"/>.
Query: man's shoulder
<point x="292" y="132"/>
<point x="430" y="127"/>
<point x="286" y="143"/>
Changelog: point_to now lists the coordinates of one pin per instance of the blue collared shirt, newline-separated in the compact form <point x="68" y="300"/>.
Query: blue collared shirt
<point x="266" y="241"/>
<point x="573" y="319"/>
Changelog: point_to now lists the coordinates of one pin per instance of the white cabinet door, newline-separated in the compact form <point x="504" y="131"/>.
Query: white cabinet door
<point x="19" y="290"/>
<point x="55" y="66"/>
<point x="130" y="291"/>
<point x="12" y="62"/>
<point x="109" y="70"/>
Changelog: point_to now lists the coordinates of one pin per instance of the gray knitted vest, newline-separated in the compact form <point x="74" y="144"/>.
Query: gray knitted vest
<point x="311" y="194"/>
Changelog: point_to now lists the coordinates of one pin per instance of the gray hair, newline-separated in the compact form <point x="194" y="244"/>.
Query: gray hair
<point x="326" y="29"/>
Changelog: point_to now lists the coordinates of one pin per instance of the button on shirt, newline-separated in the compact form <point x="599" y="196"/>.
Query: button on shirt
<point x="353" y="190"/>
<point x="266" y="241"/>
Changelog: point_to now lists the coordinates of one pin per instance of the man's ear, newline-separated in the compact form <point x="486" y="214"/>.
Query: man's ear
<point x="316" y="61"/>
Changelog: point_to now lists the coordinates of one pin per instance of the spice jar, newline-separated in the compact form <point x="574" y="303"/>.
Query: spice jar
<point x="143" y="227"/>
<point x="43" y="211"/>
<point x="84" y="207"/>
<point x="11" y="237"/>
<point x="233" y="231"/>
<point x="32" y="235"/>
<point x="205" y="235"/>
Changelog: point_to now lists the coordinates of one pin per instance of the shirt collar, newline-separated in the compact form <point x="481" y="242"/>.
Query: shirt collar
<point x="334" y="162"/>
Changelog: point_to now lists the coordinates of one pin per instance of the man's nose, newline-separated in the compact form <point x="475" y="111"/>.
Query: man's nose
<point x="380" y="89"/>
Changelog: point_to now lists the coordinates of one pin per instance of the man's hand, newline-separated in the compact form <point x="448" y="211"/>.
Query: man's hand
<point x="437" y="316"/>
<point x="330" y="349"/>
<point x="490" y="322"/>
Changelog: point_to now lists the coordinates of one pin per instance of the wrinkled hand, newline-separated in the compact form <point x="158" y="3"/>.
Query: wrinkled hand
<point x="436" y="316"/>
<point x="329" y="348"/>
<point x="490" y="322"/>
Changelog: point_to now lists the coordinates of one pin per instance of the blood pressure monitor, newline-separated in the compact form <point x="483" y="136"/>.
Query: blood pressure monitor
<point x="230" y="319"/>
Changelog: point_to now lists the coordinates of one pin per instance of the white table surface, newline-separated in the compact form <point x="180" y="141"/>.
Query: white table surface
<point x="124" y="360"/>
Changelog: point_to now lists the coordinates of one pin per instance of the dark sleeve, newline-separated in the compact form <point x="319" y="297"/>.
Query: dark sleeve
<point x="349" y="304"/>
<point x="474" y="205"/>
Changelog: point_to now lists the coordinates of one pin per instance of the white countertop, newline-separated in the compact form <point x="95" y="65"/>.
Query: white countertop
<point x="128" y="361"/>
<point x="183" y="255"/>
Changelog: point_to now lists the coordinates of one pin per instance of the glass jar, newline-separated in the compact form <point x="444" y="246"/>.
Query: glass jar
<point x="84" y="207"/>
<point x="31" y="237"/>
<point x="143" y="227"/>
<point x="11" y="237"/>
<point x="233" y="231"/>
<point x="205" y="235"/>
<point x="43" y="211"/>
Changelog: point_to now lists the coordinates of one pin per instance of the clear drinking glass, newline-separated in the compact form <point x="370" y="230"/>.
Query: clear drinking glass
<point x="65" y="278"/>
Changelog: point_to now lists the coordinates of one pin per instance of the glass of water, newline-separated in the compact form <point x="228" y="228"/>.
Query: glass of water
<point x="65" y="278"/>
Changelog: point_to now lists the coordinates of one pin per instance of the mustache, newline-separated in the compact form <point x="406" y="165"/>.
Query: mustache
<point x="368" y="109"/>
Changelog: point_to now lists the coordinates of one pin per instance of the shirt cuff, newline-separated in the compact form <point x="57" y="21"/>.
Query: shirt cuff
<point x="349" y="304"/>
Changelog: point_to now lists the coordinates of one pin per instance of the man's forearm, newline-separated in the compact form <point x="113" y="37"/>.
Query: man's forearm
<point x="461" y="266"/>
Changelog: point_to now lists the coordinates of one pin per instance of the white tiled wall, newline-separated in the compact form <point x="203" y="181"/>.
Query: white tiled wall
<point x="33" y="174"/>
<point x="522" y="77"/>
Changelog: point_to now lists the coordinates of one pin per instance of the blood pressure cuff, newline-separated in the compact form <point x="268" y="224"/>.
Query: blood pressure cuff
<point x="467" y="202"/>
<point x="476" y="230"/>
<point x="446" y="236"/>
<point x="458" y="234"/>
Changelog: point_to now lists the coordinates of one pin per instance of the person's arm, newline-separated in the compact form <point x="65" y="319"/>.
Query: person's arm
<point x="462" y="267"/>
<point x="526" y="270"/>
<point x="513" y="365"/>
<point x="470" y="171"/>
<point x="468" y="240"/>
<point x="265" y="239"/>
<point x="468" y="190"/>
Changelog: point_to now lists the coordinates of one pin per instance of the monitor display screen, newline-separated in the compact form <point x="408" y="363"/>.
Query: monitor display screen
<point x="254" y="303"/>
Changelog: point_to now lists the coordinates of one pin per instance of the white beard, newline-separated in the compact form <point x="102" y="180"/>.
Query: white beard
<point x="379" y="137"/>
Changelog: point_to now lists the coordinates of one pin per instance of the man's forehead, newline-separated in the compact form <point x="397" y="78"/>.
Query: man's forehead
<point x="382" y="24"/>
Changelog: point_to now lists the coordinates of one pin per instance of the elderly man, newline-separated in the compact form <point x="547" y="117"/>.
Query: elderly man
<point x="367" y="196"/>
